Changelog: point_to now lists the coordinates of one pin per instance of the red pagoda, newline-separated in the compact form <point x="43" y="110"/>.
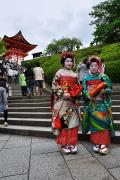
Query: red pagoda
<point x="17" y="47"/>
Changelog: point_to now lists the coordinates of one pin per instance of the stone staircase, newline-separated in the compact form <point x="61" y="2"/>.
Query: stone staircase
<point x="32" y="116"/>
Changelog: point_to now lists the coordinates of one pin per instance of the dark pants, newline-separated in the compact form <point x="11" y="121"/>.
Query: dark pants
<point x="24" y="90"/>
<point x="9" y="79"/>
<point x="5" y="114"/>
<point x="30" y="86"/>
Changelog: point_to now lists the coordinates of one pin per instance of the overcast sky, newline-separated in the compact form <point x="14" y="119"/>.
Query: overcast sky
<point x="41" y="21"/>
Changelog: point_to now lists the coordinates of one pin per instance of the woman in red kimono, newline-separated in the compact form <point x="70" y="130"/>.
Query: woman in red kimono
<point x="65" y="108"/>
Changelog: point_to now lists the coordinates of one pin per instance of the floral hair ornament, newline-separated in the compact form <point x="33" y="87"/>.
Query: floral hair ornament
<point x="67" y="54"/>
<point x="95" y="59"/>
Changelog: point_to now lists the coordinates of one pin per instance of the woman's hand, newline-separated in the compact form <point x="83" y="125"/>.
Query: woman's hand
<point x="103" y="91"/>
<point x="66" y="95"/>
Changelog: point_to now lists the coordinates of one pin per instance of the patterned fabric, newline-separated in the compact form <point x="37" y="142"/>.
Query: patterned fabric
<point x="68" y="137"/>
<point x="69" y="109"/>
<point x="97" y="113"/>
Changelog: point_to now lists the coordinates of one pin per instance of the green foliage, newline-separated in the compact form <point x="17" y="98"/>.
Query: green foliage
<point x="110" y="53"/>
<point x="106" y="17"/>
<point x="57" y="46"/>
<point x="113" y="71"/>
<point x="2" y="48"/>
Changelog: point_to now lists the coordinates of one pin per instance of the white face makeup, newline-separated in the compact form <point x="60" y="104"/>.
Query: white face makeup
<point x="68" y="63"/>
<point x="93" y="68"/>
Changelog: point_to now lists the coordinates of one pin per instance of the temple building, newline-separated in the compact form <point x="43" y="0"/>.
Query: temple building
<point x="17" y="47"/>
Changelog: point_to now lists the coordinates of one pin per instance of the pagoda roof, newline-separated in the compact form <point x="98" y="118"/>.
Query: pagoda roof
<point x="19" y="40"/>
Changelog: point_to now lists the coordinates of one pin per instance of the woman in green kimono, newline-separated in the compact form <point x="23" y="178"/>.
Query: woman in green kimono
<point x="97" y="116"/>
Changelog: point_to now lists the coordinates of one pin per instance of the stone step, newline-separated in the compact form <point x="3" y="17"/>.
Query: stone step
<point x="30" y="114"/>
<point x="115" y="97"/>
<point x="44" y="103"/>
<point x="29" y="100"/>
<point x="28" y="97"/>
<point x="116" y="87"/>
<point x="29" y="109"/>
<point x="117" y="125"/>
<point x="116" y="115"/>
<point x="40" y="98"/>
<point x="115" y="108"/>
<point x="40" y="122"/>
<point x="19" y="93"/>
<point x="115" y="102"/>
<point x="114" y="91"/>
<point x="44" y="132"/>
<point x="27" y="131"/>
<point x="28" y="121"/>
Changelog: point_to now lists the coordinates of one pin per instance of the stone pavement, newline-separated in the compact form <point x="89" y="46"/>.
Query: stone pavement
<point x="35" y="158"/>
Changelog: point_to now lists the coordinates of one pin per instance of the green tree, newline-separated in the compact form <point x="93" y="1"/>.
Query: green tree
<point x="106" y="17"/>
<point x="57" y="46"/>
<point x="2" y="48"/>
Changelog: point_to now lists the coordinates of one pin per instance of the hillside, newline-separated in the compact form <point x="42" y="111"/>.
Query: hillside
<point x="110" y="53"/>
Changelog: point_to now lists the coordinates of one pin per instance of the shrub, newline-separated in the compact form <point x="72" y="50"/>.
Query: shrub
<point x="113" y="71"/>
<point x="110" y="53"/>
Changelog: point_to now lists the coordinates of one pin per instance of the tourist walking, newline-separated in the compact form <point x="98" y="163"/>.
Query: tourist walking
<point x="3" y="99"/>
<point x="23" y="83"/>
<point x="39" y="77"/>
<point x="65" y="108"/>
<point x="97" y="110"/>
<point x="10" y="74"/>
<point x="30" y="80"/>
<point x="16" y="75"/>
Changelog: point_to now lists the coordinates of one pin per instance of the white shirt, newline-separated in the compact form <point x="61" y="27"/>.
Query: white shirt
<point x="10" y="72"/>
<point x="38" y="73"/>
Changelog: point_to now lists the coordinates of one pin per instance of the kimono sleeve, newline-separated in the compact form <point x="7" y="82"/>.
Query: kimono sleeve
<point x="55" y="81"/>
<point x="108" y="82"/>
<point x="85" y="90"/>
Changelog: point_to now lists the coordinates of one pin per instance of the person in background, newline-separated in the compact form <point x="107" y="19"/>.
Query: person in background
<point x="10" y="74"/>
<point x="30" y="80"/>
<point x="23" y="83"/>
<point x="16" y="75"/>
<point x="101" y="69"/>
<point x="97" y="115"/>
<point x="39" y="77"/>
<point x="82" y="70"/>
<point x="4" y="67"/>
<point x="65" y="106"/>
<point x="3" y="99"/>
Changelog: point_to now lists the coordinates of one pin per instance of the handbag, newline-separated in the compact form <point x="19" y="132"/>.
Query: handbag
<point x="57" y="122"/>
<point x="75" y="90"/>
<point x="97" y="89"/>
